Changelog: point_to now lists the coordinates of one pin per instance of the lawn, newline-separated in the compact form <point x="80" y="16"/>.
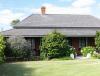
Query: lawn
<point x="52" y="68"/>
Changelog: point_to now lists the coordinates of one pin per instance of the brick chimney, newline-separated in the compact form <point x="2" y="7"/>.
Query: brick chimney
<point x="43" y="10"/>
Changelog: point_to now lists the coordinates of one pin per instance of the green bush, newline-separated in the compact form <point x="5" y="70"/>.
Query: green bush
<point x="72" y="50"/>
<point x="86" y="50"/>
<point x="96" y="55"/>
<point x="2" y="47"/>
<point x="54" y="45"/>
<point x="97" y="41"/>
<point x="19" y="47"/>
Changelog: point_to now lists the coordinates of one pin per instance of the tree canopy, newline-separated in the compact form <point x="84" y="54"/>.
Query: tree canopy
<point x="14" y="22"/>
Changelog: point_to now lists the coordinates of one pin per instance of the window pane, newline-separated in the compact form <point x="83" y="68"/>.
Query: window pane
<point x="82" y="42"/>
<point x="70" y="41"/>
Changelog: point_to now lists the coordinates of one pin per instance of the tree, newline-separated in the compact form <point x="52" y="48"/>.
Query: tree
<point x="14" y="22"/>
<point x="19" y="47"/>
<point x="2" y="47"/>
<point x="54" y="45"/>
<point x="97" y="41"/>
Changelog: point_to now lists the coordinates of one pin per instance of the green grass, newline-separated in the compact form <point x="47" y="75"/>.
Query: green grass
<point x="52" y="68"/>
<point x="60" y="59"/>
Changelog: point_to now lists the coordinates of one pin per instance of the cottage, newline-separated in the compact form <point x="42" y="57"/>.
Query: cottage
<point x="80" y="29"/>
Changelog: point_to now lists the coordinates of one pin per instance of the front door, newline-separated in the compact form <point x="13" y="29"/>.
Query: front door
<point x="75" y="44"/>
<point x="37" y="46"/>
<point x="78" y="43"/>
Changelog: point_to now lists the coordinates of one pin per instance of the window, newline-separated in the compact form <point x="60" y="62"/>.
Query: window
<point x="82" y="42"/>
<point x="70" y="41"/>
<point x="32" y="42"/>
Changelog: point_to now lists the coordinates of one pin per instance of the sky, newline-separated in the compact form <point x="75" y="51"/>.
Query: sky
<point x="20" y="9"/>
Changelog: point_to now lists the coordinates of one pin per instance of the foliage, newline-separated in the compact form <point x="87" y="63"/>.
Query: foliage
<point x="96" y="55"/>
<point x="14" y="22"/>
<point x="54" y="45"/>
<point x="97" y="41"/>
<point x="2" y="47"/>
<point x="72" y="50"/>
<point x="19" y="47"/>
<point x="86" y="50"/>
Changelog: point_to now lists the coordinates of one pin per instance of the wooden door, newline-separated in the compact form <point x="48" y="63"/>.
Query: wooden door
<point x="37" y="46"/>
<point x="75" y="44"/>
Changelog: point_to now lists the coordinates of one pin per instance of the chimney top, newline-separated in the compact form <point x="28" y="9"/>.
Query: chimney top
<point x="43" y="10"/>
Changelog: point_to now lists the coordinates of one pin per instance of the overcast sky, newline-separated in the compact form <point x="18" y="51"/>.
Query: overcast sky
<point x="19" y="9"/>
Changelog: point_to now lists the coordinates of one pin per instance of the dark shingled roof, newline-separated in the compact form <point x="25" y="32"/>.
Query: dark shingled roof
<point x="38" y="25"/>
<point x="70" y="32"/>
<point x="59" y="20"/>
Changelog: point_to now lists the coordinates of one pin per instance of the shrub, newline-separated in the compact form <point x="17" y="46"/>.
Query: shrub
<point x="86" y="50"/>
<point x="2" y="47"/>
<point x="97" y="41"/>
<point x="72" y="50"/>
<point x="19" y="47"/>
<point x="54" y="45"/>
<point x="96" y="55"/>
